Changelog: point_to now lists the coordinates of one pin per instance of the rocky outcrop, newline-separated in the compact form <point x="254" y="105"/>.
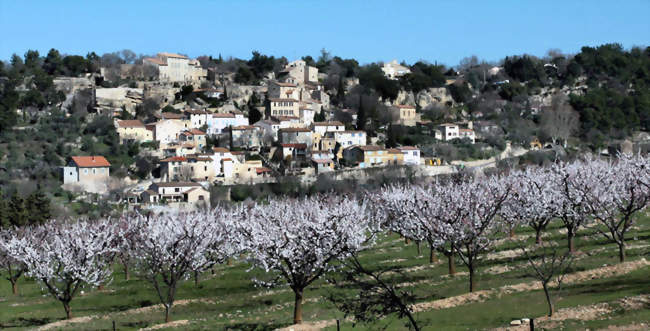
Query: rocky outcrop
<point x="111" y="99"/>
<point x="426" y="98"/>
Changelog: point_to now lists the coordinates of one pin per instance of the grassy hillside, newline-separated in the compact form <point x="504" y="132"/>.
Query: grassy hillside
<point x="598" y="293"/>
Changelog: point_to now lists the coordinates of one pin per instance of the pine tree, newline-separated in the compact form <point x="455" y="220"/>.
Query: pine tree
<point x="361" y="115"/>
<point x="38" y="207"/>
<point x="17" y="212"/>
<point x="4" y="212"/>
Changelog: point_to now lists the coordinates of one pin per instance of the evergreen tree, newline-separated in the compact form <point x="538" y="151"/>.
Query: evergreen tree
<point x="37" y="206"/>
<point x="361" y="115"/>
<point x="16" y="211"/>
<point x="4" y="212"/>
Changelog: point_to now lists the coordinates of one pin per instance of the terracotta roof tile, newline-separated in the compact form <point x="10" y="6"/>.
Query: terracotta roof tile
<point x="90" y="161"/>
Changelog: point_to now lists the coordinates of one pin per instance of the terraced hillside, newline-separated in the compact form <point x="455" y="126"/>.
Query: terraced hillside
<point x="598" y="293"/>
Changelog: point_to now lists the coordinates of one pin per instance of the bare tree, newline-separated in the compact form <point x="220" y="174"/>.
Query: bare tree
<point x="549" y="266"/>
<point x="378" y="296"/>
<point x="560" y="120"/>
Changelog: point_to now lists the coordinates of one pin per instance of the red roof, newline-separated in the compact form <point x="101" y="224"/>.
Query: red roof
<point x="295" y="130"/>
<point x="332" y="123"/>
<point x="220" y="149"/>
<point x="170" y="116"/>
<point x="405" y="106"/>
<point x="174" y="159"/>
<point x="130" y="124"/>
<point x="90" y="161"/>
<point x="195" y="132"/>
<point x="262" y="170"/>
<point x="299" y="146"/>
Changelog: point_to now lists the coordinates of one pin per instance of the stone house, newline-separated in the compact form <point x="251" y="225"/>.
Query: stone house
<point x="295" y="135"/>
<point x="404" y="115"/>
<point x="177" y="68"/>
<point x="194" y="137"/>
<point x="246" y="136"/>
<point x="300" y="72"/>
<point x="197" y="167"/>
<point x="133" y="131"/>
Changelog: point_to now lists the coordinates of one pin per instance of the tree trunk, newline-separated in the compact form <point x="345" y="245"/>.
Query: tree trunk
<point x="417" y="243"/>
<point x="570" y="236"/>
<point x="297" y="308"/>
<point x="551" y="309"/>
<point x="196" y="278"/>
<point x="538" y="236"/>
<point x="407" y="240"/>
<point x="472" y="280"/>
<point x="100" y="287"/>
<point x="68" y="312"/>
<point x="511" y="234"/>
<point x="127" y="275"/>
<point x="167" y="311"/>
<point x="432" y="255"/>
<point x="229" y="261"/>
<point x="14" y="286"/>
<point x="450" y="261"/>
<point x="621" y="252"/>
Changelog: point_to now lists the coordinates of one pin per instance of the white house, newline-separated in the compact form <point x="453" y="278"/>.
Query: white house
<point x="198" y="118"/>
<point x="323" y="127"/>
<point x="349" y="138"/>
<point x="222" y="161"/>
<point x="219" y="121"/>
<point x="269" y="127"/>
<point x="411" y="154"/>
<point x="394" y="70"/>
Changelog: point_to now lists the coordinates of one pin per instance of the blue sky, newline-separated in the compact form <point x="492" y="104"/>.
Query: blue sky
<point x="442" y="31"/>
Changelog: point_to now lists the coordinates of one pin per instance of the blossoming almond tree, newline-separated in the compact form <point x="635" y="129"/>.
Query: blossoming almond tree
<point x="572" y="180"/>
<point x="65" y="257"/>
<point x="419" y="213"/>
<point x="300" y="238"/>
<point x="532" y="201"/>
<point x="616" y="193"/>
<point x="13" y="267"/>
<point x="478" y="203"/>
<point x="167" y="248"/>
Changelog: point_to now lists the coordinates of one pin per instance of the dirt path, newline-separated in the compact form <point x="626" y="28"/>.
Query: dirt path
<point x="174" y="324"/>
<point x="483" y="295"/>
<point x="309" y="326"/>
<point x="589" y="313"/>
<point x="86" y="319"/>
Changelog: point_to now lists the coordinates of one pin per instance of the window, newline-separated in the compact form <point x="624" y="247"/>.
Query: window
<point x="177" y="189"/>
<point x="85" y="171"/>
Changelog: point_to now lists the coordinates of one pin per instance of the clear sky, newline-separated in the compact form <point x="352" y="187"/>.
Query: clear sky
<point x="378" y="30"/>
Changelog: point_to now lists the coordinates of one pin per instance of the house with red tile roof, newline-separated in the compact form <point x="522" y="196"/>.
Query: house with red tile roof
<point x="86" y="171"/>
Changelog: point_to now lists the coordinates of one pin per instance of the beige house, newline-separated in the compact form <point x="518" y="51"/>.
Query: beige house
<point x="194" y="137"/>
<point x="372" y="156"/>
<point x="197" y="167"/>
<point x="280" y="90"/>
<point x="166" y="131"/>
<point x="89" y="172"/>
<point x="299" y="72"/>
<point x="284" y="107"/>
<point x="404" y="115"/>
<point x="250" y="171"/>
<point x="133" y="131"/>
<point x="295" y="135"/>
<point x="177" y="68"/>
<point x="171" y="192"/>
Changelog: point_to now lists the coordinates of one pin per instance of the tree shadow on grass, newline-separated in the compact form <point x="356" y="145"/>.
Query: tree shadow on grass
<point x="26" y="322"/>
<point x="255" y="326"/>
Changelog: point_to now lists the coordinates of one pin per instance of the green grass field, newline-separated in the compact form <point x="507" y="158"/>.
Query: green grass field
<point x="228" y="299"/>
